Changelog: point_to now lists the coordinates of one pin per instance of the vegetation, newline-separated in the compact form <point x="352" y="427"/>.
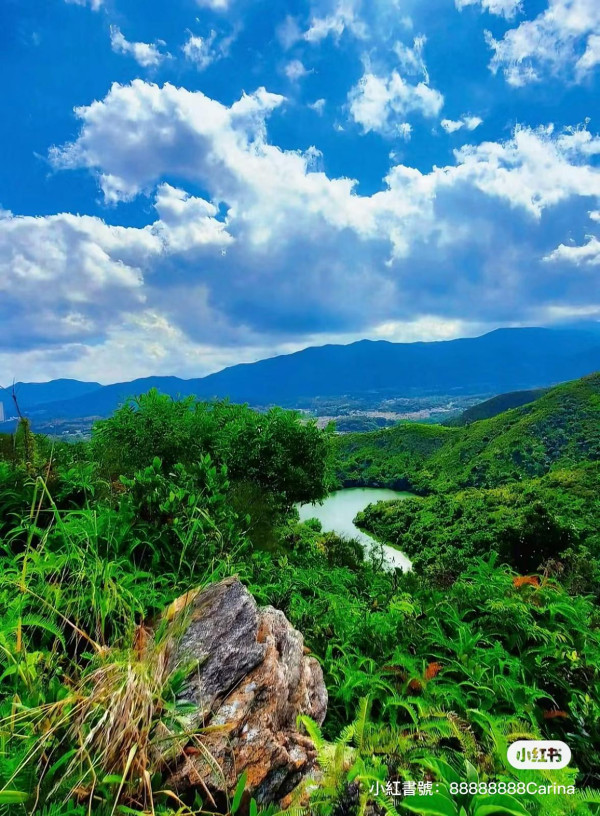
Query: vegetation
<point x="560" y="429"/>
<point x="497" y="405"/>
<point x="392" y="458"/>
<point x="551" y="521"/>
<point x="494" y="636"/>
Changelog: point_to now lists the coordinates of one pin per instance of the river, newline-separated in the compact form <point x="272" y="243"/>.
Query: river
<point x="338" y="511"/>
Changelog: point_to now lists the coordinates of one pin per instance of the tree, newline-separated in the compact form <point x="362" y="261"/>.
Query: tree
<point x="276" y="451"/>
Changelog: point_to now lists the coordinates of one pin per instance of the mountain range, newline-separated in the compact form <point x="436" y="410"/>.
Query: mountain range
<point x="500" y="361"/>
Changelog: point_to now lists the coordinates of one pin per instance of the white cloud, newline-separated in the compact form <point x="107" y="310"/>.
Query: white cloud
<point x="468" y="122"/>
<point x="62" y="275"/>
<point x="591" y="57"/>
<point x="295" y="70"/>
<point x="586" y="255"/>
<point x="174" y="131"/>
<point x="419" y="249"/>
<point x="535" y="170"/>
<point x="318" y="106"/>
<point x="504" y="8"/>
<point x="187" y="223"/>
<point x="148" y="55"/>
<point x="344" y="17"/>
<point x="565" y="38"/>
<point x="381" y="104"/>
<point x="215" y="5"/>
<point x="201" y="50"/>
<point x="95" y="5"/>
<point x="289" y="32"/>
<point x="411" y="60"/>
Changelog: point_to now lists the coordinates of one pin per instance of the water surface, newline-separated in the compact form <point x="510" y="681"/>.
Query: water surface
<point x="338" y="511"/>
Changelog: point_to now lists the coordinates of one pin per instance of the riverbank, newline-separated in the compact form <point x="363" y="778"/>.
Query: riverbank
<point x="338" y="511"/>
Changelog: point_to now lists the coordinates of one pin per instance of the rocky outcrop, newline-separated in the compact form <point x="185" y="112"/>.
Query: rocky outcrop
<point x="250" y="681"/>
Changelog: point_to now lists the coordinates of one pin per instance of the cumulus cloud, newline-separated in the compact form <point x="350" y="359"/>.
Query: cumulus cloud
<point x="536" y="169"/>
<point x="382" y="103"/>
<point x="563" y="39"/>
<point x="504" y="8"/>
<point x="61" y="275"/>
<point x="586" y="255"/>
<point x="468" y="122"/>
<point x="382" y="100"/>
<point x="335" y="263"/>
<point x="187" y="222"/>
<point x="148" y="55"/>
<point x="69" y="276"/>
<point x="174" y="131"/>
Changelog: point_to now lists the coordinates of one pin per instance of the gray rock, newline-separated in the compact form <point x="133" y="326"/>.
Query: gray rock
<point x="251" y="682"/>
<point x="221" y="627"/>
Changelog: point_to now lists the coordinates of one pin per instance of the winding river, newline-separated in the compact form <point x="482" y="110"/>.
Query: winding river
<point x="338" y="511"/>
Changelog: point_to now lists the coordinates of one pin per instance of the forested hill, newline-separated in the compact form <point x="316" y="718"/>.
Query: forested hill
<point x="496" y="405"/>
<point x="523" y="487"/>
<point x="392" y="457"/>
<point x="559" y="429"/>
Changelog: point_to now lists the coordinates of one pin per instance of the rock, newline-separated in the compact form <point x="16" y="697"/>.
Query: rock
<point x="251" y="682"/>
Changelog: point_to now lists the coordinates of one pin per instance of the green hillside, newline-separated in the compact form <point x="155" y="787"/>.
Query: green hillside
<point x="496" y="405"/>
<point x="430" y="674"/>
<point x="523" y="485"/>
<point x="559" y="429"/>
<point x="552" y="520"/>
<point x="392" y="457"/>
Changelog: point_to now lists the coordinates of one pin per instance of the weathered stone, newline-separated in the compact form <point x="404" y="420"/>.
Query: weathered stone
<point x="252" y="680"/>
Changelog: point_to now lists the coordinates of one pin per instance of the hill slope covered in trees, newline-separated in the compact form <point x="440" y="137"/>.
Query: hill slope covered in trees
<point x="559" y="429"/>
<point x="496" y="405"/>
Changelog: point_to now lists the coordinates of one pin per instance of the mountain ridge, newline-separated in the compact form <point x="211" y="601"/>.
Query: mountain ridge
<point x="500" y="361"/>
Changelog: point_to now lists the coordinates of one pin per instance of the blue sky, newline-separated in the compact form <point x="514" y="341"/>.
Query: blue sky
<point x="192" y="184"/>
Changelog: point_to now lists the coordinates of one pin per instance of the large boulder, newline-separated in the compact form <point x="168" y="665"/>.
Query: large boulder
<point x="250" y="681"/>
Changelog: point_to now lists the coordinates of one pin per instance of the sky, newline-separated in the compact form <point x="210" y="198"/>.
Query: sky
<point x="190" y="184"/>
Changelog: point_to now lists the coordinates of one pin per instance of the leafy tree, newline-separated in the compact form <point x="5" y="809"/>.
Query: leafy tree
<point x="276" y="451"/>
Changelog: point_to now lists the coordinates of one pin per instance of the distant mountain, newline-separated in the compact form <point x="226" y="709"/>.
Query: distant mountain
<point x="497" y="405"/>
<point x="31" y="394"/>
<point x="501" y="361"/>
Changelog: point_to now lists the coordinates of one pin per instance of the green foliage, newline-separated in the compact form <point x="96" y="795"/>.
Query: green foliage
<point x="431" y="675"/>
<point x="558" y="430"/>
<point x="276" y="451"/>
<point x="528" y="524"/>
<point x="389" y="458"/>
<point x="496" y="405"/>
